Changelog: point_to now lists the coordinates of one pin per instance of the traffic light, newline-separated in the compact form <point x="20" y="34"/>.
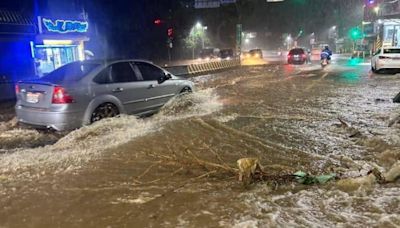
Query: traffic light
<point x="355" y="33"/>
<point x="157" y="21"/>
<point x="170" y="32"/>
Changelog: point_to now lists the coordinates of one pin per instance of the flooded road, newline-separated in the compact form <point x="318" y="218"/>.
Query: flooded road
<point x="178" y="167"/>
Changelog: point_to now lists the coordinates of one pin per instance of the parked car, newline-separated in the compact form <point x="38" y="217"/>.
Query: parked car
<point x="386" y="58"/>
<point x="297" y="56"/>
<point x="226" y="54"/>
<point x="81" y="93"/>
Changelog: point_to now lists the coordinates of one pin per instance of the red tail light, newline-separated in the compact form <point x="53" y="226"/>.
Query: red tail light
<point x="304" y="56"/>
<point x="60" y="96"/>
<point x="17" y="89"/>
<point x="289" y="56"/>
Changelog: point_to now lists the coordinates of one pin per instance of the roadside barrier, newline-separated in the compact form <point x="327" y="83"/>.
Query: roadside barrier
<point x="193" y="69"/>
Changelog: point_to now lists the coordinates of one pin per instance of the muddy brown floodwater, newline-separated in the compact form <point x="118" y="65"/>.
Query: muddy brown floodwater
<point x="176" y="168"/>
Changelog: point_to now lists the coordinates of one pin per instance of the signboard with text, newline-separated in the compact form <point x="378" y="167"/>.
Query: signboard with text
<point x="239" y="31"/>
<point x="62" y="26"/>
<point x="203" y="4"/>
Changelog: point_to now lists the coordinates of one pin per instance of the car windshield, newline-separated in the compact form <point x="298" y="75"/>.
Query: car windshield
<point x="71" y="72"/>
<point x="391" y="51"/>
<point x="297" y="51"/>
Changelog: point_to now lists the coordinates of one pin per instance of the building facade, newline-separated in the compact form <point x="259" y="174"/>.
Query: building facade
<point x="40" y="37"/>
<point x="381" y="25"/>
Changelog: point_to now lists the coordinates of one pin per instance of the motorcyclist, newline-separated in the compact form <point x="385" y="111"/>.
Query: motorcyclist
<point x="326" y="53"/>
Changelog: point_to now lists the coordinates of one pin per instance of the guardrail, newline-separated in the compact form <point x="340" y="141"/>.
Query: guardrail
<point x="194" y="69"/>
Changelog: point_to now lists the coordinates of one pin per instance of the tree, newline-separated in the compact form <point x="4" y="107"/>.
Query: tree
<point x="195" y="38"/>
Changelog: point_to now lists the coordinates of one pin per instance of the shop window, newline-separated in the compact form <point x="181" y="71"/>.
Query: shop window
<point x="49" y="58"/>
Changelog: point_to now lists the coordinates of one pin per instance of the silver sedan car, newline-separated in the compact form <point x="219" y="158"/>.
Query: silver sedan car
<point x="81" y="93"/>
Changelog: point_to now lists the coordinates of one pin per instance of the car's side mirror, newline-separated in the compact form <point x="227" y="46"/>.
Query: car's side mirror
<point x="164" y="78"/>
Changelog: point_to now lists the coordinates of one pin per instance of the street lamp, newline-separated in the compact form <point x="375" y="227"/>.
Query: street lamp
<point x="288" y="41"/>
<point x="203" y="29"/>
<point x="376" y="9"/>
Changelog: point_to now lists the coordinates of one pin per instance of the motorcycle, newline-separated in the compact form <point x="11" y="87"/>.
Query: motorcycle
<point x="325" y="57"/>
<point x="324" y="62"/>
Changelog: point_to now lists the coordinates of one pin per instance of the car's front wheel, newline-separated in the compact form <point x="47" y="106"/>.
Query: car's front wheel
<point x="103" y="111"/>
<point x="186" y="90"/>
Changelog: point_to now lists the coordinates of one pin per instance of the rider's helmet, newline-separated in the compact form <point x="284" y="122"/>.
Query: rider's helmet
<point x="326" y="47"/>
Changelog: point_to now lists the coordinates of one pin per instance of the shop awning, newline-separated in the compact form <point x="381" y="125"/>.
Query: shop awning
<point x="16" y="23"/>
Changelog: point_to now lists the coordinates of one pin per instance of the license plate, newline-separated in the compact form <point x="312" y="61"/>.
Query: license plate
<point x="32" y="97"/>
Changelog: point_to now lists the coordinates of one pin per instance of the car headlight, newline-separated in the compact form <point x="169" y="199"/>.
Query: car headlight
<point x="257" y="55"/>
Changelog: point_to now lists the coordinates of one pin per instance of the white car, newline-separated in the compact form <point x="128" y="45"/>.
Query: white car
<point x="386" y="58"/>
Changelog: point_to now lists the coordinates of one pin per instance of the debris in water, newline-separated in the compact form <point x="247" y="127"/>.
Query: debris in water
<point x="352" y="184"/>
<point x="377" y="100"/>
<point x="307" y="179"/>
<point x="374" y="176"/>
<point x="248" y="168"/>
<point x="353" y="132"/>
<point x="250" y="171"/>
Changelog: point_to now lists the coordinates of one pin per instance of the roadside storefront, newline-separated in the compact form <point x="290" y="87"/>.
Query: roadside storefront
<point x="17" y="32"/>
<point x="59" y="41"/>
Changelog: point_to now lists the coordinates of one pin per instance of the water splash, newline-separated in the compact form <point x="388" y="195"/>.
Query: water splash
<point x="89" y="142"/>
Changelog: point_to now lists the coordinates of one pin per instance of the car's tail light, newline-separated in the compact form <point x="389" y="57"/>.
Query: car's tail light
<point x="17" y="89"/>
<point x="289" y="56"/>
<point x="304" y="56"/>
<point x="61" y="96"/>
<point x="384" y="57"/>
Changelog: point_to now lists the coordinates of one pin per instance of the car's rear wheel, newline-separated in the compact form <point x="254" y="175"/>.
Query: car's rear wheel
<point x="103" y="111"/>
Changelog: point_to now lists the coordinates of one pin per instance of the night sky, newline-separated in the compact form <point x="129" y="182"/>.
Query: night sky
<point x="131" y="22"/>
<point x="125" y="28"/>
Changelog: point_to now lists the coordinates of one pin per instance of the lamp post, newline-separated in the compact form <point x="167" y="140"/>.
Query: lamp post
<point x="203" y="30"/>
<point x="289" y="41"/>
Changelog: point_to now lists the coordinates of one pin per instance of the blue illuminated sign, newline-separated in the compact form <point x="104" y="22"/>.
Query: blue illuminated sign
<point x="65" y="26"/>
